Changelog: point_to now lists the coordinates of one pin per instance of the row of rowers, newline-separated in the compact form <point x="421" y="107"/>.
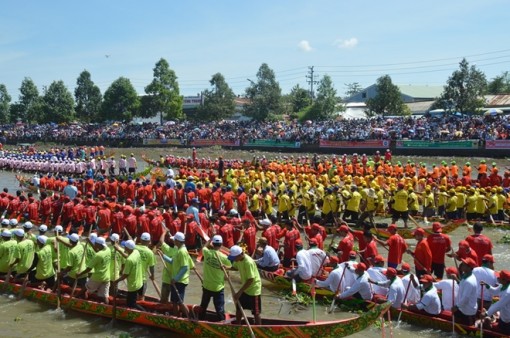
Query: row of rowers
<point x="349" y="278"/>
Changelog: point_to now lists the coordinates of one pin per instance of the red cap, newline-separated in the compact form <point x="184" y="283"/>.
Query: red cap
<point x="312" y="241"/>
<point x="504" y="274"/>
<point x="390" y="272"/>
<point x="426" y="279"/>
<point x="392" y="227"/>
<point x="451" y="270"/>
<point x="488" y="258"/>
<point x="378" y="259"/>
<point x="419" y="231"/>
<point x="352" y="253"/>
<point x="190" y="216"/>
<point x="469" y="262"/>
<point x="361" y="266"/>
<point x="463" y="244"/>
<point x="334" y="259"/>
<point x="298" y="242"/>
<point x="316" y="226"/>
<point x="436" y="227"/>
<point x="400" y="185"/>
<point x="405" y="267"/>
<point x="224" y="219"/>
<point x="343" y="228"/>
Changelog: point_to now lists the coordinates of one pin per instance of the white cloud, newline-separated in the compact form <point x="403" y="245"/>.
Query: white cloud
<point x="348" y="43"/>
<point x="304" y="45"/>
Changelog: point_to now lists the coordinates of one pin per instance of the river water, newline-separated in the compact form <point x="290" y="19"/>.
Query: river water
<point x="28" y="319"/>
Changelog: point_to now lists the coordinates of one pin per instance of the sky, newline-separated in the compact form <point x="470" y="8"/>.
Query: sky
<point x="415" y="42"/>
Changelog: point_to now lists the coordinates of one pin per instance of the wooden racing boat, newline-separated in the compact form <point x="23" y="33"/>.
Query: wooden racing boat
<point x="278" y="280"/>
<point x="408" y="233"/>
<point x="156" y="315"/>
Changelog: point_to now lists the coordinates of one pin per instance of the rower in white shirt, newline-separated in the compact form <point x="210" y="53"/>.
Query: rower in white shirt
<point x="487" y="275"/>
<point x="394" y="285"/>
<point x="446" y="286"/>
<point x="429" y="303"/>
<point x="502" y="305"/>
<point x="361" y="288"/>
<point x="466" y="304"/>
<point x="376" y="274"/>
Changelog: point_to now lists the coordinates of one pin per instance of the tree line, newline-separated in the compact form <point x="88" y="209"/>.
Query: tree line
<point x="463" y="93"/>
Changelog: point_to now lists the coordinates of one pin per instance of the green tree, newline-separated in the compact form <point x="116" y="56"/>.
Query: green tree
<point x="29" y="104"/>
<point x="121" y="102"/>
<point x="218" y="101"/>
<point x="353" y="89"/>
<point x="499" y="85"/>
<point x="5" y="101"/>
<point x="265" y="95"/>
<point x="388" y="100"/>
<point x="464" y="90"/>
<point x="325" y="104"/>
<point x="163" y="92"/>
<point x="88" y="98"/>
<point x="58" y="104"/>
<point x="299" y="98"/>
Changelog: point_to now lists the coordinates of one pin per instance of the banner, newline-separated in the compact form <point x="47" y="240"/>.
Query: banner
<point x="206" y="142"/>
<point x="355" y="144"/>
<point x="497" y="144"/>
<point x="170" y="142"/>
<point x="460" y="144"/>
<point x="272" y="144"/>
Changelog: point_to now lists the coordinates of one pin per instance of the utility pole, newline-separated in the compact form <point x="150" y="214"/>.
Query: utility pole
<point x="310" y="78"/>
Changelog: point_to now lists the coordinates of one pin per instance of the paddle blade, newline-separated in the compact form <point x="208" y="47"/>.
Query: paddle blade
<point x="294" y="287"/>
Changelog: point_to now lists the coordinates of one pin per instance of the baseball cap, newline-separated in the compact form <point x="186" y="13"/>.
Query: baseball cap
<point x="504" y="274"/>
<point x="93" y="237"/>
<point x="390" y="272"/>
<point x="28" y="225"/>
<point x="194" y="200"/>
<point x="463" y="244"/>
<point x="114" y="237"/>
<point x="378" y="259"/>
<point x="59" y="228"/>
<point x="129" y="244"/>
<point x="233" y="212"/>
<point x="352" y="254"/>
<point x="298" y="242"/>
<point x="419" y="231"/>
<point x="469" y="262"/>
<point x="343" y="228"/>
<point x="74" y="238"/>
<point x="361" y="266"/>
<point x="265" y="221"/>
<point x="217" y="239"/>
<point x="145" y="236"/>
<point x="13" y="222"/>
<point x="426" y="279"/>
<point x="392" y="227"/>
<point x="43" y="227"/>
<point x="179" y="236"/>
<point x="100" y="241"/>
<point x="405" y="267"/>
<point x="5" y="221"/>
<point x="451" y="270"/>
<point x="436" y="227"/>
<point x="41" y="239"/>
<point x="235" y="251"/>
<point x="334" y="259"/>
<point x="312" y="241"/>
<point x="488" y="258"/>
<point x="19" y="232"/>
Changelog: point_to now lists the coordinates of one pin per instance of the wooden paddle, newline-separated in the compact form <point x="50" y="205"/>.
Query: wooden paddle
<point x="23" y="286"/>
<point x="314" y="277"/>
<point x="233" y="291"/>
<point x="414" y="221"/>
<point x="59" y="289"/>
<point x="115" y="286"/>
<point x="403" y="301"/>
<point x="7" y="278"/>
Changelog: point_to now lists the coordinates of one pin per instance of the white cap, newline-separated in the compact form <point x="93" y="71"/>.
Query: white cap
<point x="265" y="221"/>
<point x="19" y="232"/>
<point x="5" y="221"/>
<point x="217" y="239"/>
<point x="74" y="238"/>
<point x="233" y="212"/>
<point x="93" y="237"/>
<point x="13" y="222"/>
<point x="129" y="245"/>
<point x="42" y="239"/>
<point x="6" y="233"/>
<point x="235" y="251"/>
<point x="43" y="227"/>
<point x="145" y="236"/>
<point x="28" y="225"/>
<point x="114" y="237"/>
<point x="59" y="228"/>
<point x="179" y="236"/>
<point x="100" y="241"/>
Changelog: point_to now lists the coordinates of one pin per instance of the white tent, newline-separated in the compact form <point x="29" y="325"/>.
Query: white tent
<point x="354" y="110"/>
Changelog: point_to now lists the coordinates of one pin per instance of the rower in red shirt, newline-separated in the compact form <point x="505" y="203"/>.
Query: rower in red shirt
<point x="465" y="251"/>
<point x="371" y="249"/>
<point x="226" y="232"/>
<point x="117" y="220"/>
<point x="396" y="246"/>
<point x="290" y="234"/>
<point x="345" y="245"/>
<point x="130" y="222"/>
<point x="439" y="245"/>
<point x="481" y="244"/>
<point x="422" y="254"/>
<point x="104" y="218"/>
<point x="249" y="236"/>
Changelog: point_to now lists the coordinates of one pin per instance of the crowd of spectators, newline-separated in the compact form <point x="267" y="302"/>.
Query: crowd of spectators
<point x="450" y="127"/>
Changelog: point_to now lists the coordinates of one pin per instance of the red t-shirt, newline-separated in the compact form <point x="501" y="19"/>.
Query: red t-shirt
<point x="439" y="245"/>
<point x="345" y="246"/>
<point x="423" y="256"/>
<point x="397" y="246"/>
<point x="481" y="244"/>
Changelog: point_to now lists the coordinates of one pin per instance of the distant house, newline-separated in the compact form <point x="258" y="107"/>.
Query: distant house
<point x="501" y="101"/>
<point x="410" y="93"/>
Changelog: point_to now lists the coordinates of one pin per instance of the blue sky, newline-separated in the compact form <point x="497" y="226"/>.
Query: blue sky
<point x="415" y="42"/>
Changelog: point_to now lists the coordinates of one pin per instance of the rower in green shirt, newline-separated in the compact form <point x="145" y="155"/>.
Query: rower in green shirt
<point x="133" y="273"/>
<point x="214" y="278"/>
<point x="148" y="261"/>
<point x="24" y="253"/>
<point x="99" y="281"/>
<point x="7" y="251"/>
<point x="44" y="270"/>
<point x="169" y="251"/>
<point x="75" y="262"/>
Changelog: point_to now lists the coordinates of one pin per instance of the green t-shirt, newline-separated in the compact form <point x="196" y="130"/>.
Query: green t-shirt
<point x="25" y="253"/>
<point x="76" y="261"/>
<point x="181" y="259"/>
<point x="44" y="268"/>
<point x="133" y="270"/>
<point x="170" y="252"/>
<point x="214" y="277"/>
<point x="7" y="251"/>
<point x="63" y="252"/>
<point x="90" y="253"/>
<point x="248" y="269"/>
<point x="148" y="259"/>
<point x="115" y="264"/>
<point x="101" y="265"/>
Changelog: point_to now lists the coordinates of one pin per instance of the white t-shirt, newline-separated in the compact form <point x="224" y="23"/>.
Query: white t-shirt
<point x="360" y="285"/>
<point x="466" y="300"/>
<point x="487" y="275"/>
<point x="316" y="260"/>
<point x="396" y="293"/>
<point x="430" y="302"/>
<point x="333" y="280"/>
<point x="502" y="305"/>
<point x="413" y="295"/>
<point x="303" y="261"/>
<point x="376" y="274"/>
<point x="445" y="286"/>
